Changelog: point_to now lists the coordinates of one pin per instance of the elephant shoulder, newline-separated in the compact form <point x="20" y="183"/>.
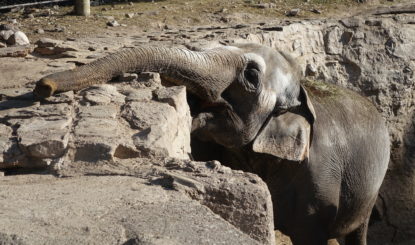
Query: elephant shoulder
<point x="342" y="112"/>
<point x="333" y="97"/>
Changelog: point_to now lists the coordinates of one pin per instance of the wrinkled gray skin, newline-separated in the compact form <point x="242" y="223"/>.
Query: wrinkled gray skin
<point x="322" y="150"/>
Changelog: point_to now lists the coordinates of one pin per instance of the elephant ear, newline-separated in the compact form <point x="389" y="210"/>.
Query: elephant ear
<point x="288" y="135"/>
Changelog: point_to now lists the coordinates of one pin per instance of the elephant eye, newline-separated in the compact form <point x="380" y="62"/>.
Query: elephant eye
<point x="251" y="74"/>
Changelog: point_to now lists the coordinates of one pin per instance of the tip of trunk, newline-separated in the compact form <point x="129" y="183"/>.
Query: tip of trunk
<point x="45" y="87"/>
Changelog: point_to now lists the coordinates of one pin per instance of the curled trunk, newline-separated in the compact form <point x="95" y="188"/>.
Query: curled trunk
<point x="205" y="74"/>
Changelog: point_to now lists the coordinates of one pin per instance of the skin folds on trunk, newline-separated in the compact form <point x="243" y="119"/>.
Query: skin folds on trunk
<point x="206" y="74"/>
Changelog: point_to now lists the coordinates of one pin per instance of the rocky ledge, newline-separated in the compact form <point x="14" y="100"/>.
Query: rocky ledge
<point x="137" y="134"/>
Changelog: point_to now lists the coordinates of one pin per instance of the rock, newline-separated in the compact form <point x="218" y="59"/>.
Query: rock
<point x="109" y="18"/>
<point x="19" y="51"/>
<point x="129" y="15"/>
<point x="351" y="22"/>
<point x="65" y="97"/>
<point x="6" y="34"/>
<point x="96" y="127"/>
<point x="252" y="216"/>
<point x="13" y="21"/>
<point x="58" y="29"/>
<point x="113" y="23"/>
<point x="373" y="22"/>
<point x="149" y="76"/>
<point x="310" y="70"/>
<point x="265" y="5"/>
<point x="102" y="95"/>
<point x="43" y="138"/>
<point x="40" y="31"/>
<point x="48" y="42"/>
<point x="333" y="44"/>
<point x="30" y="16"/>
<point x="5" y="142"/>
<point x="26" y="109"/>
<point x="2" y="45"/>
<point x="174" y="96"/>
<point x="159" y="134"/>
<point x="82" y="207"/>
<point x="47" y="46"/>
<point x="316" y="11"/>
<point x="19" y="39"/>
<point x="97" y="133"/>
<point x="240" y="198"/>
<point x="139" y="95"/>
<point x="292" y="12"/>
<point x="8" y="27"/>
<point x="98" y="111"/>
<point x="127" y="77"/>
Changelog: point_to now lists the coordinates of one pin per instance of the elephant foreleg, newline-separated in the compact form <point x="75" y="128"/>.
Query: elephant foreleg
<point x="358" y="236"/>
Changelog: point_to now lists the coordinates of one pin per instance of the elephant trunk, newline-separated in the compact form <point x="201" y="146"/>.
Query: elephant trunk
<point x="206" y="74"/>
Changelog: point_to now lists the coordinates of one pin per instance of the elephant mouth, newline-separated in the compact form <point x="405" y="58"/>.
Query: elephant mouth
<point x="198" y="106"/>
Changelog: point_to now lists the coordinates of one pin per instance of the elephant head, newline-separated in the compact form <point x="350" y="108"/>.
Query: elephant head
<point x="248" y="93"/>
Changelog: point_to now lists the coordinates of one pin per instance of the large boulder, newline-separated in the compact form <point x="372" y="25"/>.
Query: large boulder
<point x="130" y="201"/>
<point x="106" y="210"/>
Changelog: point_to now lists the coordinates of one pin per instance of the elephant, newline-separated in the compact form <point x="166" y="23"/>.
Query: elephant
<point x="322" y="150"/>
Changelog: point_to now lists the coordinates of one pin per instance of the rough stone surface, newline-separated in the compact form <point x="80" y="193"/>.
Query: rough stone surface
<point x="42" y="138"/>
<point x="5" y="142"/>
<point x="105" y="130"/>
<point x="106" y="210"/>
<point x="20" y="51"/>
<point x="113" y="23"/>
<point x="6" y="34"/>
<point x="240" y="198"/>
<point x="18" y="38"/>
<point x="47" y="46"/>
<point x="158" y="124"/>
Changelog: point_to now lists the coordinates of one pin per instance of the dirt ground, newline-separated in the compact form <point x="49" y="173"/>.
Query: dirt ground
<point x="145" y="16"/>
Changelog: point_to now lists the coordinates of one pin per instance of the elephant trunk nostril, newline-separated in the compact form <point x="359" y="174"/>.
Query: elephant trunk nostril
<point x="45" y="87"/>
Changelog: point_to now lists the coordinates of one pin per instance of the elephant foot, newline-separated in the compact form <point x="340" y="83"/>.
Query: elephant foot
<point x="358" y="236"/>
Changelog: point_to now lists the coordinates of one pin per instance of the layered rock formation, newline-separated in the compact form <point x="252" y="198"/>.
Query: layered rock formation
<point x="139" y="130"/>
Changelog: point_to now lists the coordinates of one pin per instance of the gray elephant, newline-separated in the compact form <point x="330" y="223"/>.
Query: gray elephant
<point x="322" y="150"/>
